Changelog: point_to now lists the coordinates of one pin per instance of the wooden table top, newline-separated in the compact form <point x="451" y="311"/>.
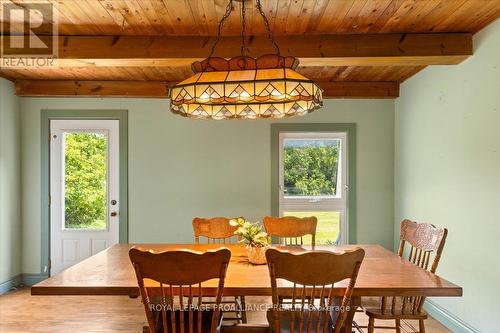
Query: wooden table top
<point x="110" y="273"/>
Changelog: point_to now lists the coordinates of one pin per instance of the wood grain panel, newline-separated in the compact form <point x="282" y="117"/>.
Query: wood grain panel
<point x="110" y="273"/>
<point x="315" y="31"/>
<point x="41" y="88"/>
<point x="360" y="89"/>
<point x="327" y="50"/>
<point x="200" y="18"/>
<point x="170" y="74"/>
<point x="85" y="314"/>
<point x="159" y="89"/>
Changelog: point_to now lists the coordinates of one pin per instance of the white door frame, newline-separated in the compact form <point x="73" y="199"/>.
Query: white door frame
<point x="83" y="242"/>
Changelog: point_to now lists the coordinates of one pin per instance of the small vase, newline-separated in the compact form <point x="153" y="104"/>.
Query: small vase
<point x="257" y="255"/>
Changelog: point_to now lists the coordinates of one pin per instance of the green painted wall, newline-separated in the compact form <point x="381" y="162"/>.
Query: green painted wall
<point x="447" y="164"/>
<point x="180" y="168"/>
<point x="10" y="183"/>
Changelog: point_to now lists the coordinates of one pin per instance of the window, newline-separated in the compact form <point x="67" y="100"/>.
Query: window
<point x="85" y="178"/>
<point x="313" y="181"/>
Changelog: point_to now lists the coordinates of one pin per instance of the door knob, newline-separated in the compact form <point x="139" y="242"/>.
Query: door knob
<point x="114" y="214"/>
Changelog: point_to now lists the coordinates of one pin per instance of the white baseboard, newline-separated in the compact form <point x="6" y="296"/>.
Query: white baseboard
<point x="452" y="322"/>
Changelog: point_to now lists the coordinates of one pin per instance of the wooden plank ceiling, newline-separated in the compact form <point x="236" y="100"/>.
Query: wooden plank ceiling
<point x="349" y="65"/>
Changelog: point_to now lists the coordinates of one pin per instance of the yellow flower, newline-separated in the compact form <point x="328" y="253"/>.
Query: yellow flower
<point x="261" y="234"/>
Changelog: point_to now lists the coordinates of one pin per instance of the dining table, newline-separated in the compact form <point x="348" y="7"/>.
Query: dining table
<point x="382" y="273"/>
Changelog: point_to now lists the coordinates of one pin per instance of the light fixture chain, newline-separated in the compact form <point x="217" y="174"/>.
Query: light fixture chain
<point x="243" y="28"/>
<point x="229" y="7"/>
<point x="268" y="28"/>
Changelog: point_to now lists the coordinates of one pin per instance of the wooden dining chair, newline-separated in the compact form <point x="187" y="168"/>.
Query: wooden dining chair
<point x="290" y="230"/>
<point x="217" y="230"/>
<point x="170" y="288"/>
<point x="311" y="276"/>
<point x="424" y="241"/>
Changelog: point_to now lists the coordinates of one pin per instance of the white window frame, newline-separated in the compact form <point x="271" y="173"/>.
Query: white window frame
<point x="337" y="203"/>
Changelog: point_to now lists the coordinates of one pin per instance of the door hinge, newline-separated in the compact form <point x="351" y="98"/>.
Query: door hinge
<point x="50" y="200"/>
<point x="46" y="268"/>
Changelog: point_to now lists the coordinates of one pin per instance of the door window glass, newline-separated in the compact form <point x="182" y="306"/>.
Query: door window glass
<point x="85" y="180"/>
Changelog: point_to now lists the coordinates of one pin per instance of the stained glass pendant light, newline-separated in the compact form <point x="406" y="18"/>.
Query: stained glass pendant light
<point x="244" y="87"/>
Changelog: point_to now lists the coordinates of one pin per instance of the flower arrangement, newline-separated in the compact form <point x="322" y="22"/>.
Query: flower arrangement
<point x="250" y="233"/>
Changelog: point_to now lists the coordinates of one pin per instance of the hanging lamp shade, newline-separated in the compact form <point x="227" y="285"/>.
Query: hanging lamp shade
<point x="245" y="88"/>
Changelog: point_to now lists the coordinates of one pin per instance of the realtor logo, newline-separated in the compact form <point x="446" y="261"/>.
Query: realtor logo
<point x="29" y="34"/>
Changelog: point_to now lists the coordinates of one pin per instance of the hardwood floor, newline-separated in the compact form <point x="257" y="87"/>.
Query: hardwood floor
<point x="21" y="312"/>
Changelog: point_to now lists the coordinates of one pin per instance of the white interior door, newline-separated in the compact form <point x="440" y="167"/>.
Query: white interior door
<point x="313" y="181"/>
<point x="84" y="189"/>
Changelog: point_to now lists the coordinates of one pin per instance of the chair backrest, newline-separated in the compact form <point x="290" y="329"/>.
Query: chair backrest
<point x="313" y="275"/>
<point x="290" y="229"/>
<point x="424" y="240"/>
<point x="174" y="279"/>
<point x="216" y="230"/>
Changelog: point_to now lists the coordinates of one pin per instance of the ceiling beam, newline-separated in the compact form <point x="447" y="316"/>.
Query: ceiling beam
<point x="158" y="89"/>
<point x="351" y="89"/>
<point x="56" y="88"/>
<point x="312" y="50"/>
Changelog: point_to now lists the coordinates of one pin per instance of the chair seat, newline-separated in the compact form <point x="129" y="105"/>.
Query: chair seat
<point x="286" y="319"/>
<point x="206" y="320"/>
<point x="377" y="313"/>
